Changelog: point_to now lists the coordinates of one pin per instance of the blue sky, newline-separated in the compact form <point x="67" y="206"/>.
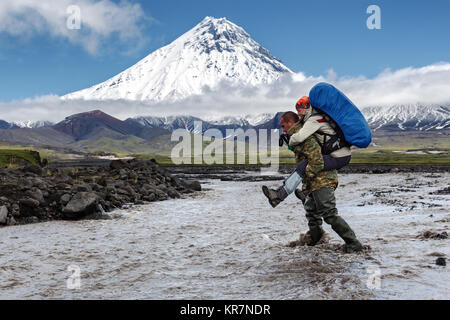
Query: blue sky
<point x="308" y="36"/>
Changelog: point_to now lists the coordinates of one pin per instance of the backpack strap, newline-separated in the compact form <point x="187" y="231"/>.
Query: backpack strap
<point x="331" y="142"/>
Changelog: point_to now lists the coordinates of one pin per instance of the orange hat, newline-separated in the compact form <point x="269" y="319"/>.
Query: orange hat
<point x="303" y="103"/>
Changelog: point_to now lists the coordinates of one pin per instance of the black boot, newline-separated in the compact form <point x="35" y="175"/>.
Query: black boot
<point x="316" y="234"/>
<point x="354" y="246"/>
<point x="341" y="227"/>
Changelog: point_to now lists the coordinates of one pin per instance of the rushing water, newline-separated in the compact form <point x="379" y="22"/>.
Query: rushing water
<point x="226" y="242"/>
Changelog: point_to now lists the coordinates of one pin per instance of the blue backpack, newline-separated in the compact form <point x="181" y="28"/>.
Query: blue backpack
<point x="350" y="121"/>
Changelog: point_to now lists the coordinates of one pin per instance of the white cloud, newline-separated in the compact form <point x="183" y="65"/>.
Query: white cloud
<point x="100" y="20"/>
<point x="426" y="85"/>
<point x="429" y="85"/>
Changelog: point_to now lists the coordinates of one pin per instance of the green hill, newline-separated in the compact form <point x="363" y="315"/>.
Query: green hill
<point x="10" y="157"/>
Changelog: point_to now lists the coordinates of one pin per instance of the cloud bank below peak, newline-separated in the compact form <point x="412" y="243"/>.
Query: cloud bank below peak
<point x="429" y="85"/>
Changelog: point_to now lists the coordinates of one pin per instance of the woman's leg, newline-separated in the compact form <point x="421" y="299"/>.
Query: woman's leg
<point x="329" y="163"/>
<point x="293" y="181"/>
<point x="332" y="163"/>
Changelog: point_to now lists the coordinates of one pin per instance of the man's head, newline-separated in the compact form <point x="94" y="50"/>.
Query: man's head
<point x="302" y="106"/>
<point x="288" y="119"/>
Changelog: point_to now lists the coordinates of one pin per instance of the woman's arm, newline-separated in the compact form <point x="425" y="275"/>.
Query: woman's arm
<point x="308" y="129"/>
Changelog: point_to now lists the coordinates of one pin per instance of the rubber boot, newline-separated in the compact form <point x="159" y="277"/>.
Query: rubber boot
<point x="316" y="234"/>
<point x="354" y="246"/>
<point x="346" y="233"/>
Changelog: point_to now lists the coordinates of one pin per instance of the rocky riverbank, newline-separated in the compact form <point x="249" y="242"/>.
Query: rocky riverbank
<point x="33" y="194"/>
<point x="254" y="173"/>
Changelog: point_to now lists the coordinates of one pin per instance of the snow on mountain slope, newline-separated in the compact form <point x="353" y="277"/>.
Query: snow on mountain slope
<point x="256" y="120"/>
<point x="172" y="123"/>
<point x="408" y="117"/>
<point x="213" y="51"/>
<point x="395" y="118"/>
<point x="33" y="124"/>
<point x="247" y="120"/>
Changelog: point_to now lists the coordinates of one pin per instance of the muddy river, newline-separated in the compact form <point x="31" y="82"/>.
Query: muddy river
<point x="226" y="242"/>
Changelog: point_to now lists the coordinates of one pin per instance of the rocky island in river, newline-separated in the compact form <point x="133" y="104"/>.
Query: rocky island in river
<point x="32" y="193"/>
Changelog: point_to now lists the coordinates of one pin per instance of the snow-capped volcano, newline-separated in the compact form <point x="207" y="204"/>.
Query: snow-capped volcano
<point x="213" y="51"/>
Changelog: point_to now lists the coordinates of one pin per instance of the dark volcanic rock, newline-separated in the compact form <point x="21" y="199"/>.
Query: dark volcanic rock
<point x="25" y="183"/>
<point x="81" y="204"/>
<point x="441" y="261"/>
<point x="89" y="192"/>
<point x="15" y="210"/>
<point x="173" y="193"/>
<point x="433" y="235"/>
<point x="194" y="185"/>
<point x="82" y="188"/>
<point x="28" y="207"/>
<point x="443" y="235"/>
<point x="65" y="198"/>
<point x="29" y="202"/>
<point x="3" y="214"/>
<point x="445" y="191"/>
<point x="36" y="194"/>
<point x="11" y="221"/>
<point x="118" y="164"/>
<point x="32" y="168"/>
<point x="220" y="170"/>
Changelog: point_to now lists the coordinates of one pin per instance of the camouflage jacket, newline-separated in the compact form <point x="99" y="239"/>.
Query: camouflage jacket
<point x="314" y="178"/>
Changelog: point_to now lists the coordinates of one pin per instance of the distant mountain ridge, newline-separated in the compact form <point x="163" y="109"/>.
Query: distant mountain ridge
<point x="98" y="131"/>
<point x="408" y="117"/>
<point x="395" y="118"/>
<point x="88" y="125"/>
<point x="95" y="124"/>
<point x="172" y="123"/>
<point x="6" y="125"/>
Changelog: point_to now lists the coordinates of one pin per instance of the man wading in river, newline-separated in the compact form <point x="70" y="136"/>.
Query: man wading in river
<point x="318" y="187"/>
